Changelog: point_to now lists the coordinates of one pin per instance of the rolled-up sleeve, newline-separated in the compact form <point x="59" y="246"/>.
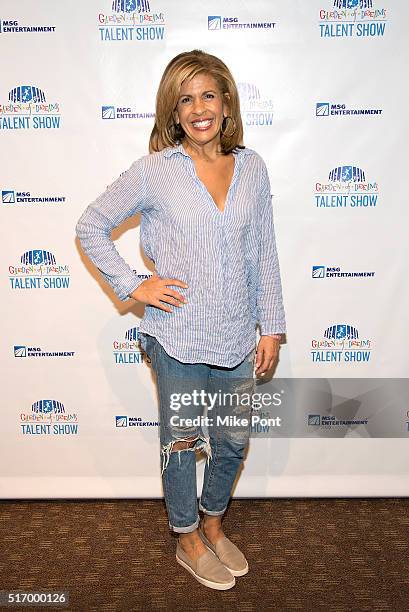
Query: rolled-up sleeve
<point x="125" y="197"/>
<point x="270" y="308"/>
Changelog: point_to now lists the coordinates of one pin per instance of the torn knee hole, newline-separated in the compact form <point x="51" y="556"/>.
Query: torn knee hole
<point x="184" y="444"/>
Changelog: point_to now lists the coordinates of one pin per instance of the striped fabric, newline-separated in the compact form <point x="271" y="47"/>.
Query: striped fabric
<point x="228" y="259"/>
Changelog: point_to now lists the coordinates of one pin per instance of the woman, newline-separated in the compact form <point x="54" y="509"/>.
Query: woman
<point x="207" y="223"/>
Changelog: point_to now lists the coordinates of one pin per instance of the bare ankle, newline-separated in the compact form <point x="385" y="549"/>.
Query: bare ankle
<point x="212" y="523"/>
<point x="192" y="544"/>
<point x="190" y="537"/>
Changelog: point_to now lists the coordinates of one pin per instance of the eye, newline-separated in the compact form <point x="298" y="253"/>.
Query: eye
<point x="210" y="95"/>
<point x="183" y="100"/>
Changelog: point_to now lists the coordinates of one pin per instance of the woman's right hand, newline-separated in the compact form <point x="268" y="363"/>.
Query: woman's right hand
<point x="154" y="290"/>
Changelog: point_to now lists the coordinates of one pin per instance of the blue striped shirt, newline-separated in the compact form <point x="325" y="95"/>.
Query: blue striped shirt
<point x="228" y="259"/>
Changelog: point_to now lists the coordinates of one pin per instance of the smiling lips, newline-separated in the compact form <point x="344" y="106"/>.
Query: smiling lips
<point x="202" y="124"/>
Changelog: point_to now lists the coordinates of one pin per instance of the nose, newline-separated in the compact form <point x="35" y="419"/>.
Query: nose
<point x="198" y="106"/>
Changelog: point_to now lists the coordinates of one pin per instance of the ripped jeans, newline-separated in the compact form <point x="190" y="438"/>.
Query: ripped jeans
<point x="184" y="391"/>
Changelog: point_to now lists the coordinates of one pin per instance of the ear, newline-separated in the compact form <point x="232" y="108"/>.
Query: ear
<point x="176" y="117"/>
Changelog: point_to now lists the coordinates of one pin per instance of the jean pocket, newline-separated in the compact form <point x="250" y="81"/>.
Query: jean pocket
<point x="150" y="343"/>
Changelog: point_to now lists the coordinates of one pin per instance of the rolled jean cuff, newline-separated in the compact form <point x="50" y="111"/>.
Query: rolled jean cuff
<point x="211" y="512"/>
<point x="185" y="529"/>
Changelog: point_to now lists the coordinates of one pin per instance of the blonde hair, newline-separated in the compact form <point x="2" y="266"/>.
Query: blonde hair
<point x="186" y="65"/>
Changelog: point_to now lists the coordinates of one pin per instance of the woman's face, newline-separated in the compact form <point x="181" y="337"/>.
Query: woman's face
<point x="200" y="109"/>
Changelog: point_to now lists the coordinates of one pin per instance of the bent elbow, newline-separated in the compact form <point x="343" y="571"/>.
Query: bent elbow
<point x="82" y="227"/>
<point x="78" y="229"/>
<point x="79" y="232"/>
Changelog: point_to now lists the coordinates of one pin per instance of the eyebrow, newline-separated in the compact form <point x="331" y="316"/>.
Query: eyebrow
<point x="203" y="92"/>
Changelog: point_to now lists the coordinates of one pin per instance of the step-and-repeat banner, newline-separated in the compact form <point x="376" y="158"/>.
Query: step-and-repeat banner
<point x="322" y="87"/>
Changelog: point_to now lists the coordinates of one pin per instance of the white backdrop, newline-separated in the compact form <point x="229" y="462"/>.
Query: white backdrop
<point x="322" y="90"/>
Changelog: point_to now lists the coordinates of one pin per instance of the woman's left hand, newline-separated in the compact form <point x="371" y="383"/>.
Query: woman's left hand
<point x="267" y="352"/>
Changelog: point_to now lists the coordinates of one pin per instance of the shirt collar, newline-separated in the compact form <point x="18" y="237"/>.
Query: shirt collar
<point x="169" y="151"/>
<point x="176" y="149"/>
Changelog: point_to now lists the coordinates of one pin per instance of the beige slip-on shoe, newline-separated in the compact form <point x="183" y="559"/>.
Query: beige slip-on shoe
<point x="207" y="569"/>
<point x="228" y="553"/>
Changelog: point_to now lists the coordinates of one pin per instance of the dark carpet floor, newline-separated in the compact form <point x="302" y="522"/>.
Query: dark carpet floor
<point x="334" y="555"/>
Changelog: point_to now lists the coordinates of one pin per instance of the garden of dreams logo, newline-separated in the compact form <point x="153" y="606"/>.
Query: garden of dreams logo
<point x="352" y="18"/>
<point x="340" y="343"/>
<point x="28" y="108"/>
<point x="131" y="20"/>
<point x="38" y="269"/>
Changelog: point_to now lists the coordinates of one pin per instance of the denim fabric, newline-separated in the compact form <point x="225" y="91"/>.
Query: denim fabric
<point x="224" y="443"/>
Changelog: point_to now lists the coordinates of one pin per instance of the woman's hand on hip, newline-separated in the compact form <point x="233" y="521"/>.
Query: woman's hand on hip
<point x="155" y="290"/>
